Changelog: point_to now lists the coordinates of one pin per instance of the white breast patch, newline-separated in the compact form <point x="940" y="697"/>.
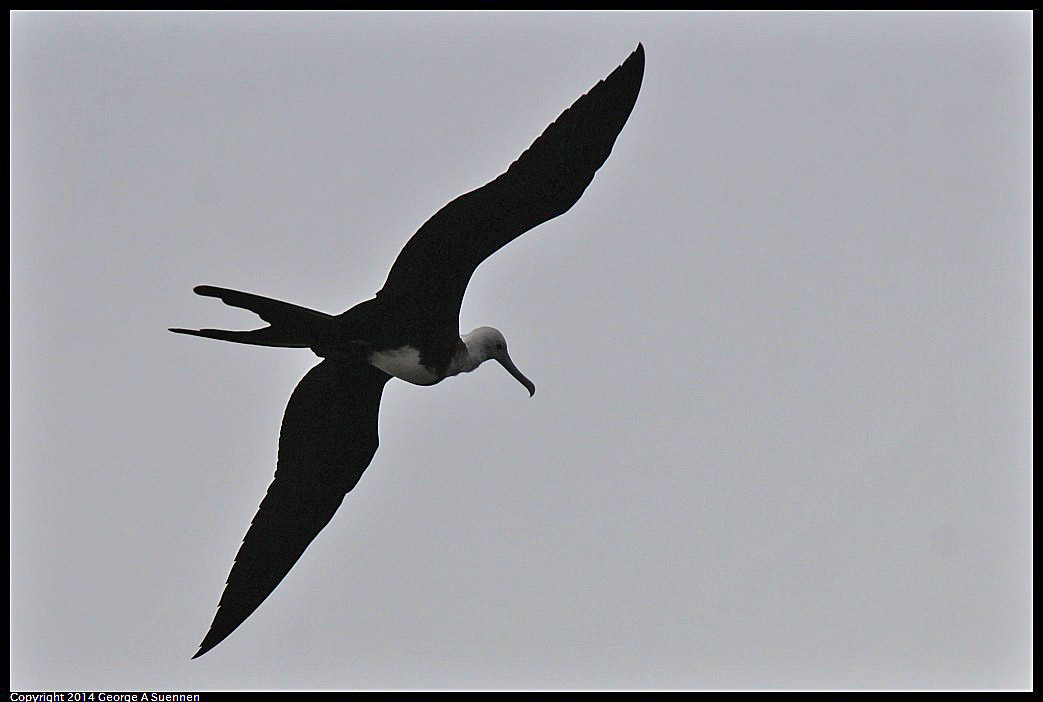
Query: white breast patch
<point x="403" y="362"/>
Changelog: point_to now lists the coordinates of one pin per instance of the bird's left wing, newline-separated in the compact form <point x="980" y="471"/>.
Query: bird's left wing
<point x="328" y="437"/>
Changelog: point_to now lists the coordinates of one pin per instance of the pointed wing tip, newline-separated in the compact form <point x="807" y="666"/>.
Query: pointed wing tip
<point x="637" y="55"/>
<point x="631" y="71"/>
<point x="204" y="647"/>
<point x="210" y="640"/>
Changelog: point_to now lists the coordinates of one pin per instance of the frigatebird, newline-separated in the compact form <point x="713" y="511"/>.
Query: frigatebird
<point x="409" y="330"/>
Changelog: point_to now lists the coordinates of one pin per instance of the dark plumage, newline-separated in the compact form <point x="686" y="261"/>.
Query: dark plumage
<point x="409" y="329"/>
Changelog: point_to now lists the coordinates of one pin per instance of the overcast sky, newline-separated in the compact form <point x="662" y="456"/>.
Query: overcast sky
<point x="782" y="436"/>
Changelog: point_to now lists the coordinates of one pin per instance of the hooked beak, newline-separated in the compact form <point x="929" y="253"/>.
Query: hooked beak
<point x="508" y="364"/>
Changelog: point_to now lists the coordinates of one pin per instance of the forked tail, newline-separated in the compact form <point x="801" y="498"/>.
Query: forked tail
<point x="290" y="325"/>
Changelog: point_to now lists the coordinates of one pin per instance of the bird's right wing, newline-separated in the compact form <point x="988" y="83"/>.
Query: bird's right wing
<point x="328" y="437"/>
<point x="432" y="271"/>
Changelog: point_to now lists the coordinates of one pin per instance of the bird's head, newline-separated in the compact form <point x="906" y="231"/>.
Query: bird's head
<point x="486" y="343"/>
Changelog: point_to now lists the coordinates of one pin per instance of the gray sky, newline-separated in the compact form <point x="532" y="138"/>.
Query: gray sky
<point x="783" y="349"/>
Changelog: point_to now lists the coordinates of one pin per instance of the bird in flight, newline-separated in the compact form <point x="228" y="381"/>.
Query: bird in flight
<point x="409" y="330"/>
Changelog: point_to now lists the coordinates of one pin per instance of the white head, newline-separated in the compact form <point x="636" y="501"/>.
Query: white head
<point x="486" y="343"/>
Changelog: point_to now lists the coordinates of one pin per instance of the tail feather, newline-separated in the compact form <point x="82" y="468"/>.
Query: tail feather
<point x="271" y="311"/>
<point x="268" y="336"/>
<point x="290" y="326"/>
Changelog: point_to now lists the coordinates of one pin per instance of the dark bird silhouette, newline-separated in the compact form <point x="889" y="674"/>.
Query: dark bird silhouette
<point x="410" y="330"/>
